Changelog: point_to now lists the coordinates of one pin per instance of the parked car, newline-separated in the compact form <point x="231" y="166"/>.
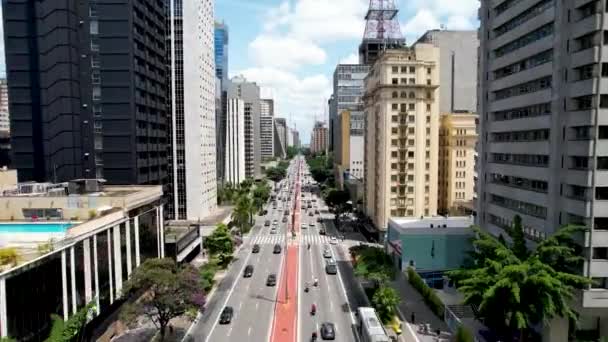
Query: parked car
<point x="226" y="315"/>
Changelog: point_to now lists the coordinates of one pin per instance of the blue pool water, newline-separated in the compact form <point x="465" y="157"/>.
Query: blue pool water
<point x="34" y="227"/>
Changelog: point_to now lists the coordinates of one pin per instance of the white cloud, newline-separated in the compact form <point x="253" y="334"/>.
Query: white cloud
<point x="458" y="22"/>
<point x="353" y="58"/>
<point x="301" y="99"/>
<point x="284" y="52"/>
<point x="423" y="20"/>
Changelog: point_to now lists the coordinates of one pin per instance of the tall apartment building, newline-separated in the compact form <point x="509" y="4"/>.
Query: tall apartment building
<point x="267" y="129"/>
<point x="249" y="92"/>
<point x="543" y="150"/>
<point x="234" y="170"/>
<point x="88" y="100"/>
<point x="318" y="140"/>
<point x="458" y="64"/>
<point x="401" y="134"/>
<point x="280" y="137"/>
<point x="221" y="38"/>
<point x="193" y="187"/>
<point x="457" y="155"/>
<point x="296" y="138"/>
<point x="349" y="151"/>
<point x="5" y="120"/>
<point x="333" y="122"/>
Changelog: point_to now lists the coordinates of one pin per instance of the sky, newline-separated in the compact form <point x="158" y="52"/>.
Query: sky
<point x="291" y="47"/>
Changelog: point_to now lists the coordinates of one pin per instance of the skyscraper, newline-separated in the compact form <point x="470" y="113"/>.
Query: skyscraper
<point x="318" y="140"/>
<point x="280" y="137"/>
<point x="5" y="122"/>
<point x="235" y="142"/>
<point x="193" y="102"/>
<point x="221" y="51"/>
<point x="87" y="90"/>
<point x="267" y="128"/>
<point x="543" y="147"/>
<point x="249" y="92"/>
<point x="401" y="134"/>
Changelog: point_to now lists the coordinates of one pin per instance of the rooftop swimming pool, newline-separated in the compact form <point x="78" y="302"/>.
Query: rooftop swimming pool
<point x="35" y="227"/>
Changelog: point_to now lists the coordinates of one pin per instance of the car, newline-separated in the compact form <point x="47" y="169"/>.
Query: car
<point x="333" y="240"/>
<point x="286" y="212"/>
<point x="328" y="331"/>
<point x="331" y="268"/>
<point x="273" y="230"/>
<point x="264" y="212"/>
<point x="311" y="225"/>
<point x="317" y="211"/>
<point x="256" y="248"/>
<point x="275" y="222"/>
<point x="276" y="249"/>
<point x="248" y="271"/>
<point x="271" y="280"/>
<point x="310" y="213"/>
<point x="284" y="219"/>
<point x="327" y="253"/>
<point x="266" y="223"/>
<point x="226" y="315"/>
<point x="314" y="199"/>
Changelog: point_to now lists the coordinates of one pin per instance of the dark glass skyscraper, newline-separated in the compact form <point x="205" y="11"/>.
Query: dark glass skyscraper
<point x="87" y="89"/>
<point x="221" y="51"/>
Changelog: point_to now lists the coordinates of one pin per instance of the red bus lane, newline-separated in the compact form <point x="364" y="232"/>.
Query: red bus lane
<point x="284" y="324"/>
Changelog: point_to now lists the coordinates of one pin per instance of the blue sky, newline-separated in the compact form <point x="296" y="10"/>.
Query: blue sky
<point x="291" y="47"/>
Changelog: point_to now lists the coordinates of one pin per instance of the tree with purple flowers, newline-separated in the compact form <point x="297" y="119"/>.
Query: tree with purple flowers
<point x="162" y="290"/>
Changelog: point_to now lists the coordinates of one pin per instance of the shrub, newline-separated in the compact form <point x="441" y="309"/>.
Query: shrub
<point x="429" y="296"/>
<point x="207" y="273"/>
<point x="464" y="335"/>
<point x="8" y="256"/>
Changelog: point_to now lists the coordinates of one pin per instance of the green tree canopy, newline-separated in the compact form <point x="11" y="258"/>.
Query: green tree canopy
<point x="385" y="302"/>
<point x="220" y="241"/>
<point x="71" y="330"/>
<point x="170" y="291"/>
<point x="337" y="199"/>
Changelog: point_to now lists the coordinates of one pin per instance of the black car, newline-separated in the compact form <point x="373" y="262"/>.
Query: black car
<point x="328" y="331"/>
<point x="271" y="280"/>
<point x="267" y="223"/>
<point x="284" y="219"/>
<point x="264" y="212"/>
<point x="226" y="315"/>
<point x="277" y="249"/>
<point x="310" y="213"/>
<point x="255" y="249"/>
<point x="248" y="271"/>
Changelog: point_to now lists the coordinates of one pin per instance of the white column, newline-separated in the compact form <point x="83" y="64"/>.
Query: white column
<point x="88" y="290"/>
<point x="162" y="231"/>
<point x="137" y="257"/>
<point x="158" y="232"/>
<point x="64" y="285"/>
<point x="128" y="241"/>
<point x="73" y="279"/>
<point x="96" y="267"/>
<point x="3" y="322"/>
<point x="117" y="260"/>
<point x="109" y="234"/>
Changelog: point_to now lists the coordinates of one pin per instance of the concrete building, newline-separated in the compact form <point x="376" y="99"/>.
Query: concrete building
<point x="267" y="129"/>
<point x="249" y="92"/>
<point x="220" y="130"/>
<point x="318" y="140"/>
<point x="457" y="155"/>
<point x="91" y="104"/>
<point x="280" y="137"/>
<point x="234" y="170"/>
<point x="5" y="120"/>
<point x="458" y="65"/>
<point x="349" y="152"/>
<point x="333" y="122"/>
<point x="544" y="129"/>
<point x="93" y="237"/>
<point x="429" y="243"/>
<point x="296" y="138"/>
<point x="193" y="110"/>
<point x="221" y="39"/>
<point x="401" y="134"/>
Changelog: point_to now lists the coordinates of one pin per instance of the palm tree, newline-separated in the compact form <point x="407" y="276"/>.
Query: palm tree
<point x="240" y="215"/>
<point x="512" y="294"/>
<point x="385" y="301"/>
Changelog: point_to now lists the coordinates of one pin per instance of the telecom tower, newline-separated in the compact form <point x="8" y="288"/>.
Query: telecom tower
<point x="382" y="30"/>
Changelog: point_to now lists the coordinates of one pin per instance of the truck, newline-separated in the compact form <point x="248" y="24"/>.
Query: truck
<point x="369" y="327"/>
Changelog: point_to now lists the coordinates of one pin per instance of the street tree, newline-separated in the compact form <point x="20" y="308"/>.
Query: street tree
<point x="71" y="330"/>
<point x="242" y="212"/>
<point x="338" y="200"/>
<point x="519" y="239"/>
<point x="385" y="302"/>
<point x="169" y="290"/>
<point x="220" y="241"/>
<point x="276" y="174"/>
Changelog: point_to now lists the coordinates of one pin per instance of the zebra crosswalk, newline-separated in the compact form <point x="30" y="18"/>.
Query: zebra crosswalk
<point x="305" y="239"/>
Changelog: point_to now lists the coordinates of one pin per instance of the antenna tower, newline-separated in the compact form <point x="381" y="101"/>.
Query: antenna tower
<point x="381" y="30"/>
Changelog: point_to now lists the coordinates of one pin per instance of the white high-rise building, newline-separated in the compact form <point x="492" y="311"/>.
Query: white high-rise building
<point x="267" y="128"/>
<point x="4" y="117"/>
<point x="235" y="142"/>
<point x="194" y="185"/>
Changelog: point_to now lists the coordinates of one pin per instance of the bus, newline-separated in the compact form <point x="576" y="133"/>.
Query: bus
<point x="369" y="327"/>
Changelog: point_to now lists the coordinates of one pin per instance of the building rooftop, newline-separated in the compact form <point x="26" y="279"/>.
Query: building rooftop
<point x="436" y="222"/>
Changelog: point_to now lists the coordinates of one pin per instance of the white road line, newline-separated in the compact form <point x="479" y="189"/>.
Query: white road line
<point x="350" y="310"/>
<point x="299" y="327"/>
<point x="249" y="331"/>
<point x="229" y="331"/>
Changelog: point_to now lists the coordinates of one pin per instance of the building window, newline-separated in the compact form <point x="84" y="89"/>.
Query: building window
<point x="395" y="95"/>
<point x="395" y="81"/>
<point x="601" y="193"/>
<point x="600" y="253"/>
<point x="412" y="70"/>
<point x="395" y="70"/>
<point x="525" y="40"/>
<point x="94" y="27"/>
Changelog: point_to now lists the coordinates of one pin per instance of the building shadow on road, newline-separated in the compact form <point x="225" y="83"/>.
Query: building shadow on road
<point x="258" y="296"/>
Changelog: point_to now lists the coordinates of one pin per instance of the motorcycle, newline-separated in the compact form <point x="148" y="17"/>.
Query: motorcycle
<point x="313" y="310"/>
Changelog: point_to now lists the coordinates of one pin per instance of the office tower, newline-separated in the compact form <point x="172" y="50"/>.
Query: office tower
<point x="457" y="155"/>
<point x="401" y="134"/>
<point x="333" y="121"/>
<point x="280" y="137"/>
<point x="543" y="152"/>
<point x="349" y="152"/>
<point x="318" y="140"/>
<point x="267" y="129"/>
<point x="88" y="100"/>
<point x="296" y="138"/>
<point x="249" y="92"/>
<point x="4" y="116"/>
<point x="235" y="142"/>
<point x="458" y="65"/>
<point x="221" y="51"/>
<point x="220" y="131"/>
<point x="382" y="30"/>
<point x="193" y="189"/>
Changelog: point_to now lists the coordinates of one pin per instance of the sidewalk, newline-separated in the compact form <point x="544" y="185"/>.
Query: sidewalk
<point x="412" y="302"/>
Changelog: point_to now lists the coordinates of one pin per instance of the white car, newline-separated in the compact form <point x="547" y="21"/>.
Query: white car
<point x="333" y="240"/>
<point x="273" y="231"/>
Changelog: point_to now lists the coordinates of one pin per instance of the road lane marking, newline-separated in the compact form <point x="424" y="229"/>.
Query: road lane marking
<point x="249" y="331"/>
<point x="229" y="331"/>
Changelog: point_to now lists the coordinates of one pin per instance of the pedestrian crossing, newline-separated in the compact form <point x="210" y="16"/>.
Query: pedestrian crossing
<point x="280" y="238"/>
